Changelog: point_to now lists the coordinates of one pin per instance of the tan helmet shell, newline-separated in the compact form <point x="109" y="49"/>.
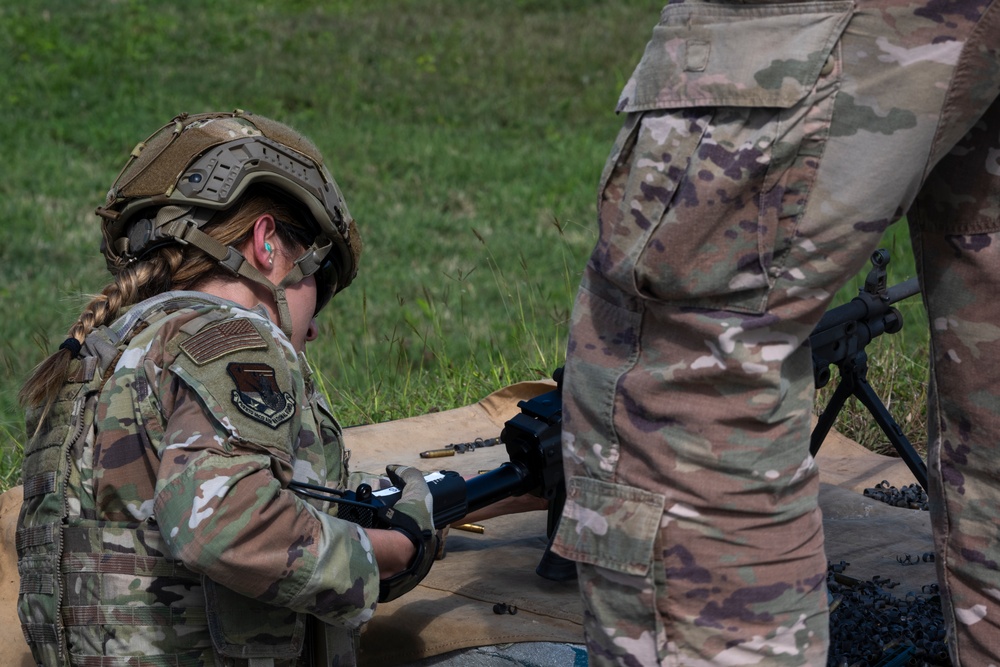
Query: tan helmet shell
<point x="207" y="161"/>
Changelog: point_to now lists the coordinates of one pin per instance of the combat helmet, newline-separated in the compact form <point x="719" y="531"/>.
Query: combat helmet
<point x="199" y="164"/>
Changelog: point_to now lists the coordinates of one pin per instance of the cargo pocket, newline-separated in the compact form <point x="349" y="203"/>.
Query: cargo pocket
<point x="609" y="525"/>
<point x="610" y="531"/>
<point x="702" y="194"/>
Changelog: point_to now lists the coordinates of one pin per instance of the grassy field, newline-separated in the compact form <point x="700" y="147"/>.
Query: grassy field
<point x="467" y="136"/>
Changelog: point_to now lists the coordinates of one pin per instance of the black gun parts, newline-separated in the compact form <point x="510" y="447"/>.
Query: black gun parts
<point x="459" y="448"/>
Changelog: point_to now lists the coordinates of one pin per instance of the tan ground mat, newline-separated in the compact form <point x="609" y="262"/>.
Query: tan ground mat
<point x="454" y="608"/>
<point x="13" y="650"/>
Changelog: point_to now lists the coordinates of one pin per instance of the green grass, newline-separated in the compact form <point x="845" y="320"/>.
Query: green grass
<point x="468" y="137"/>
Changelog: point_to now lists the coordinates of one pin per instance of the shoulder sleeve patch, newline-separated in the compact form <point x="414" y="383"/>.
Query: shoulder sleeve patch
<point x="257" y="394"/>
<point x="218" y="340"/>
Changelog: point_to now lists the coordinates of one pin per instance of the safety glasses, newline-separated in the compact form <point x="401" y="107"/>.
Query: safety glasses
<point x="316" y="262"/>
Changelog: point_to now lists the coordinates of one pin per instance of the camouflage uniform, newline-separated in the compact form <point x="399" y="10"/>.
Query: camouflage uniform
<point x="765" y="150"/>
<point x="181" y="543"/>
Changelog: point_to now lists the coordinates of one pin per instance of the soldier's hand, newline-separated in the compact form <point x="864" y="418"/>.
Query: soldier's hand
<point x="412" y="515"/>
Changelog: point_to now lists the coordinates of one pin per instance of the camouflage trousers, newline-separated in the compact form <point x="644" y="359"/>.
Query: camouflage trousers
<point x="765" y="150"/>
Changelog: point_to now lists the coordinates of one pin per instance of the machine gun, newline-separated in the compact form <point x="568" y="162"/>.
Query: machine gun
<point x="840" y="339"/>
<point x="533" y="441"/>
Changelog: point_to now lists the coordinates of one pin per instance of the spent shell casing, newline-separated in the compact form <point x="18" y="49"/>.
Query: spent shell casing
<point x="436" y="453"/>
<point x="471" y="528"/>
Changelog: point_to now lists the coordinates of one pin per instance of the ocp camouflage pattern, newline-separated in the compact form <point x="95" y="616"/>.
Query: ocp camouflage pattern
<point x="765" y="149"/>
<point x="183" y="540"/>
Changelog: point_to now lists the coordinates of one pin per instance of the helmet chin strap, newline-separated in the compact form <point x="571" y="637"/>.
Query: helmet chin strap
<point x="302" y="268"/>
<point x="178" y="223"/>
<point x="295" y="276"/>
<point x="284" y="313"/>
<point x="247" y="270"/>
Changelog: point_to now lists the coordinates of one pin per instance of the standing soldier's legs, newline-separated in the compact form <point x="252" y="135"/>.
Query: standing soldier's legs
<point x="956" y="233"/>
<point x="747" y="185"/>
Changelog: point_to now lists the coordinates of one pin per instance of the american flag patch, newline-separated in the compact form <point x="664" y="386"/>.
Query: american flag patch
<point x="220" y="339"/>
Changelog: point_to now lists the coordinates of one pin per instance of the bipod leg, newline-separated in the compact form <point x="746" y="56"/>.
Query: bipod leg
<point x="864" y="393"/>
<point x="845" y="389"/>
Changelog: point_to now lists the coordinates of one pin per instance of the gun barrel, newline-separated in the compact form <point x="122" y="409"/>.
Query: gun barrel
<point x="903" y="290"/>
<point x="865" y="305"/>
<point x="482" y="490"/>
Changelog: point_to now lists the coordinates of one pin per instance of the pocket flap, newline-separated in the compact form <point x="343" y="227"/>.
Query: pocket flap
<point x="609" y="525"/>
<point x="735" y="55"/>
